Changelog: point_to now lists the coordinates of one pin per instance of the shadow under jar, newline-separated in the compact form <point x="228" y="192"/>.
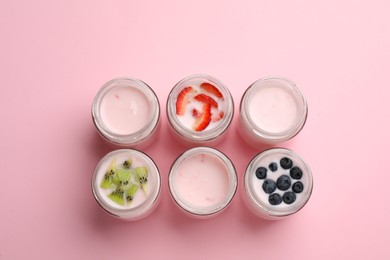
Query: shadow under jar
<point x="126" y="113"/>
<point x="272" y="110"/>
<point x="200" y="110"/>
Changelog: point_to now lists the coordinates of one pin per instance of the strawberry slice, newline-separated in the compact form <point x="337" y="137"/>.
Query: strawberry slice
<point x="183" y="99"/>
<point x="211" y="89"/>
<point x="204" y="119"/>
<point x="206" y="99"/>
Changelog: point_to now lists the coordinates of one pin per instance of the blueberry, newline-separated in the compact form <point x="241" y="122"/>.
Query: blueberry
<point x="274" y="199"/>
<point x="297" y="187"/>
<point x="289" y="197"/>
<point x="261" y="173"/>
<point x="269" y="186"/>
<point x="283" y="182"/>
<point x="286" y="163"/>
<point x="296" y="173"/>
<point x="273" y="167"/>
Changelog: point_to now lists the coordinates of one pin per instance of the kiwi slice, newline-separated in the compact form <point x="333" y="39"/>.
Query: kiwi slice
<point x="107" y="181"/>
<point x="127" y="164"/>
<point x="141" y="176"/>
<point x="117" y="196"/>
<point x="131" y="191"/>
<point x="122" y="177"/>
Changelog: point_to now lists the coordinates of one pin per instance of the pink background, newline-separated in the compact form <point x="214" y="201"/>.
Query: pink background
<point x="55" y="55"/>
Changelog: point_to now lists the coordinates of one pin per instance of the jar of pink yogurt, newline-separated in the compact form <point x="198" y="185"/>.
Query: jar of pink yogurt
<point x="202" y="182"/>
<point x="200" y="110"/>
<point x="272" y="110"/>
<point x="126" y="112"/>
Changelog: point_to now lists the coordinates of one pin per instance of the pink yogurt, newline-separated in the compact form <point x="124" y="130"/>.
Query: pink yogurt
<point x="126" y="112"/>
<point x="202" y="181"/>
<point x="272" y="110"/>
<point x="125" y="109"/>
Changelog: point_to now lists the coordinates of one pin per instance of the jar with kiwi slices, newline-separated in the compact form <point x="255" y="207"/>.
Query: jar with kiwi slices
<point x="126" y="183"/>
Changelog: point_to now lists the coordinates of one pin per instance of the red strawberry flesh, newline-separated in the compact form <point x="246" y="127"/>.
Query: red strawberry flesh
<point x="206" y="99"/>
<point x="204" y="119"/>
<point x="183" y="99"/>
<point x="211" y="89"/>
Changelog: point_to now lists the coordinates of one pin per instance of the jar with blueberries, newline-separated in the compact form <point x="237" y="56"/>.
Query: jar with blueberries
<point x="277" y="183"/>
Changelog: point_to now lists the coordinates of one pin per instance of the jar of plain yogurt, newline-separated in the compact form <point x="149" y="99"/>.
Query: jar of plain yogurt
<point x="277" y="183"/>
<point x="126" y="183"/>
<point x="202" y="182"/>
<point x="126" y="113"/>
<point x="272" y="110"/>
<point x="200" y="110"/>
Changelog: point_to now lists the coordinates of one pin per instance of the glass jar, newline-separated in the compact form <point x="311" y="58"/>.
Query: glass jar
<point x="277" y="183"/>
<point x="126" y="183"/>
<point x="202" y="182"/>
<point x="126" y="112"/>
<point x="272" y="110"/>
<point x="200" y="110"/>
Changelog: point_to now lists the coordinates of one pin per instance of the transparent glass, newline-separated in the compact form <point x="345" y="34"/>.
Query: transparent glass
<point x="142" y="137"/>
<point x="256" y="135"/>
<point x="208" y="137"/>
<point x="147" y="199"/>
<point x="257" y="199"/>
<point x="194" y="209"/>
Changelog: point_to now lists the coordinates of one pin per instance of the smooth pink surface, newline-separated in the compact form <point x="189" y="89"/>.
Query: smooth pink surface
<point x="55" y="55"/>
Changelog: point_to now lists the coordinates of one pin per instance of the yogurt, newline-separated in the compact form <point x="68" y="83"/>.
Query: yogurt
<point x="126" y="112"/>
<point x="126" y="183"/>
<point x="277" y="183"/>
<point x="272" y="110"/>
<point x="202" y="181"/>
<point x="199" y="109"/>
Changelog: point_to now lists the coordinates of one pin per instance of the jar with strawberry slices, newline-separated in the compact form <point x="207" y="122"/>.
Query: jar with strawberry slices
<point x="200" y="110"/>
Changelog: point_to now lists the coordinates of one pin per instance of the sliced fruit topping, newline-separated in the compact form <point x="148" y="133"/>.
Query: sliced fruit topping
<point x="122" y="177"/>
<point x="211" y="89"/>
<point x="131" y="192"/>
<point x="141" y="176"/>
<point x="204" y="119"/>
<point x="109" y="175"/>
<point x="183" y="100"/>
<point x="117" y="196"/>
<point x="127" y="164"/>
<point x="206" y="99"/>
